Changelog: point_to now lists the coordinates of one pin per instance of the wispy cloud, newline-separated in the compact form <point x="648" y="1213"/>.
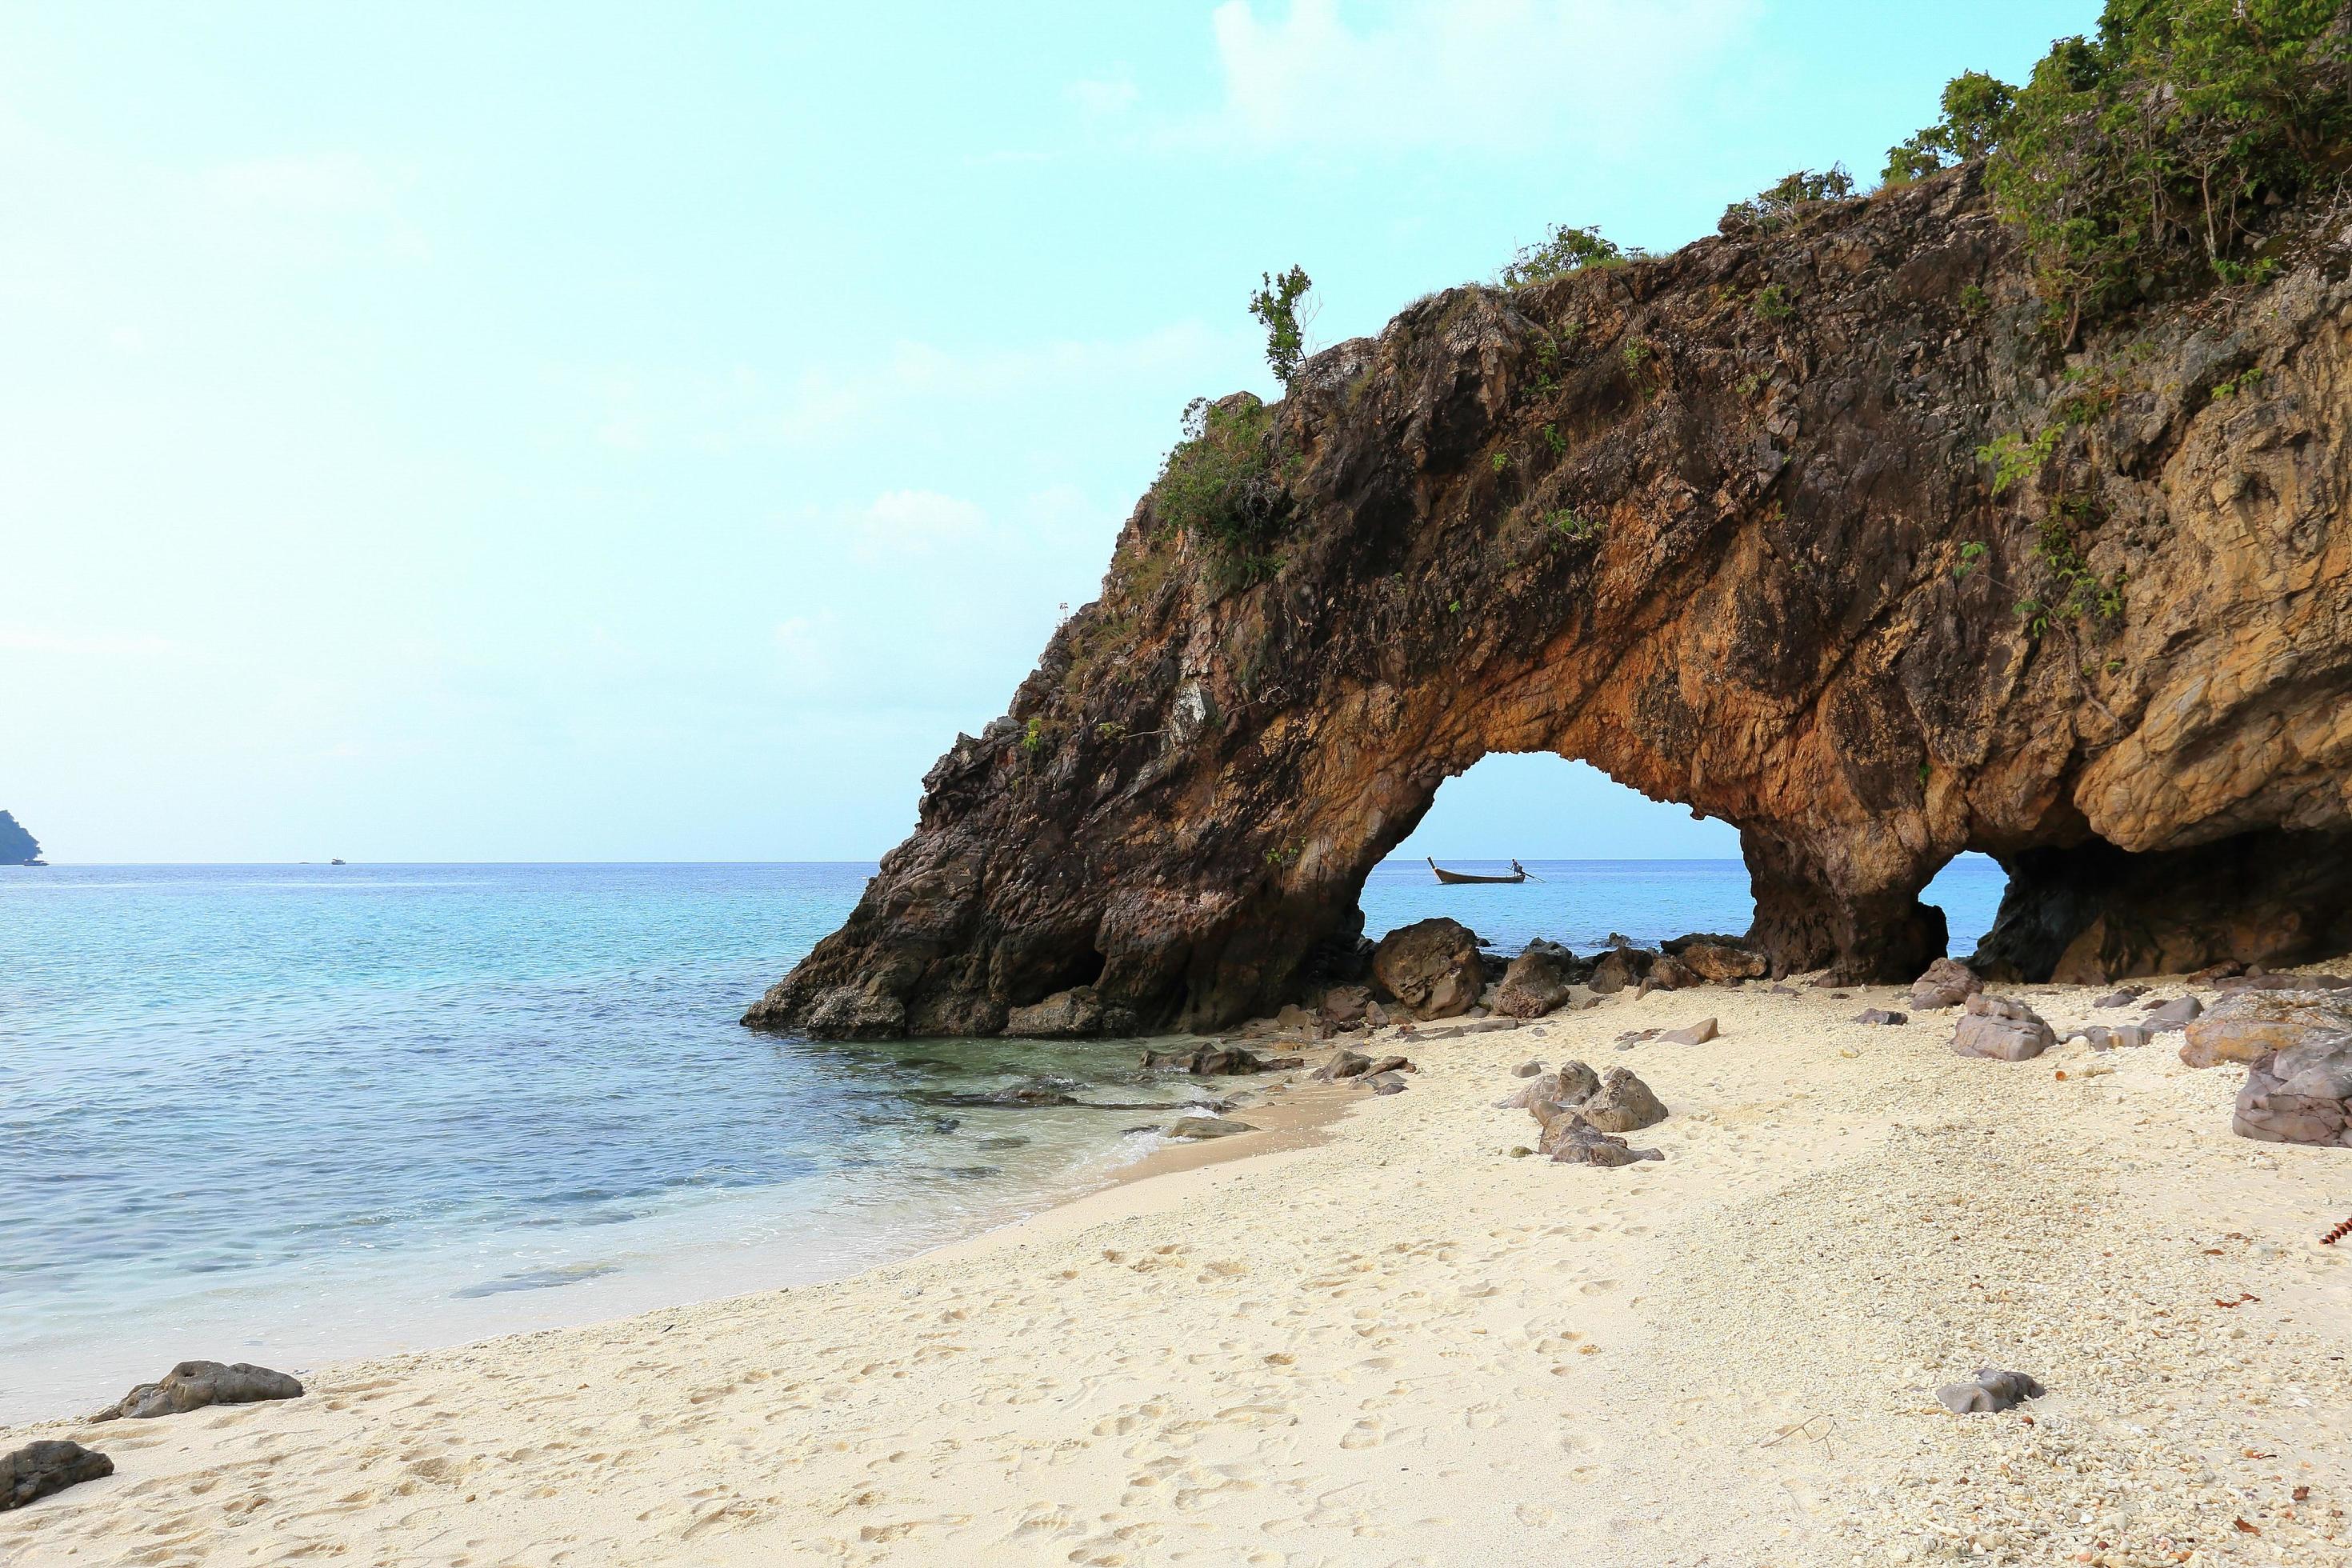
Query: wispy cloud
<point x="1107" y="95"/>
<point x="85" y="645"/>
<point x="903" y="522"/>
<point x="1486" y="74"/>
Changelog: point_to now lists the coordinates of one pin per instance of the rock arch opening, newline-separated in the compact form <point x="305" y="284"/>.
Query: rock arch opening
<point x="1746" y="561"/>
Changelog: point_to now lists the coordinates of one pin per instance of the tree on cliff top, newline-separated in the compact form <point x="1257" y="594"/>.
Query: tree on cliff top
<point x="2152" y="149"/>
<point x="17" y="846"/>
<point x="1276" y="304"/>
<point x="1975" y="104"/>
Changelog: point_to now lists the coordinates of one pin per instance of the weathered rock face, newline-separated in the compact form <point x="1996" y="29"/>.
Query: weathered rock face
<point x="42" y="1469"/>
<point x="2003" y="1029"/>
<point x="1537" y="981"/>
<point x="1430" y="967"/>
<point x="1738" y="557"/>
<point x="194" y="1384"/>
<point x="2302" y="1095"/>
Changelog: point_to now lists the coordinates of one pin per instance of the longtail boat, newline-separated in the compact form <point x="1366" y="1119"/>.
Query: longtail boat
<point x="1519" y="874"/>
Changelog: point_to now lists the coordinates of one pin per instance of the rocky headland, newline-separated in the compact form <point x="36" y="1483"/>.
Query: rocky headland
<point x="1827" y="531"/>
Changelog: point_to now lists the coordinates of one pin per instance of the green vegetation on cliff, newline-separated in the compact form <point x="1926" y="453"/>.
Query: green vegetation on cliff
<point x="2152" y="150"/>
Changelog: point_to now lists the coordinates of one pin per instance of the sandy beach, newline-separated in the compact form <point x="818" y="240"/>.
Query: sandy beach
<point x="1384" y="1340"/>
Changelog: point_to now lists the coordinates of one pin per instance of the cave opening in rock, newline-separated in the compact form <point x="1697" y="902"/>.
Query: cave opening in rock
<point x="1603" y="860"/>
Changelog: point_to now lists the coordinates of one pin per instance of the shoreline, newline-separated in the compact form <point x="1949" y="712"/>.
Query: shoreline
<point x="694" y="1269"/>
<point x="1388" y="1341"/>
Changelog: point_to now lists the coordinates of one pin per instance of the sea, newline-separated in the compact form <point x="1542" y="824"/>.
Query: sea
<point x="294" y="1114"/>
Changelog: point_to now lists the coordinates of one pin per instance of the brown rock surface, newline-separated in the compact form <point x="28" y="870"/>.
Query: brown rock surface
<point x="1719" y="960"/>
<point x="41" y="1469"/>
<point x="1627" y="518"/>
<point x="1945" y="984"/>
<point x="2249" y="1026"/>
<point x="1537" y="981"/>
<point x="196" y="1385"/>
<point x="1623" y="1104"/>
<point x="2300" y="1095"/>
<point x="1432" y="968"/>
<point x="2003" y="1029"/>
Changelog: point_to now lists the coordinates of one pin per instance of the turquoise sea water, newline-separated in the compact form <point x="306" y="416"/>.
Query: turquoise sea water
<point x="288" y="1114"/>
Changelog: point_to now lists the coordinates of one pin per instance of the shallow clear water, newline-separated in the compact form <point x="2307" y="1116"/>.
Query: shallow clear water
<point x="290" y="1114"/>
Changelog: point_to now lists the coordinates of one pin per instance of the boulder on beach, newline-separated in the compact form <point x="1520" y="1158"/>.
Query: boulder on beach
<point x="2299" y="1089"/>
<point x="1717" y="960"/>
<point x="1946" y="983"/>
<point x="1537" y="981"/>
<point x="1345" y="1003"/>
<point x="1623" y="1104"/>
<point x="1989" y="1391"/>
<point x="1198" y="1128"/>
<point x="38" y="1470"/>
<point x="2247" y="1026"/>
<point x="1575" y="1142"/>
<point x="2002" y="1028"/>
<point x="193" y="1385"/>
<point x="1072" y="1014"/>
<point x="1670" y="974"/>
<point x="1570" y="1083"/>
<point x="1620" y="967"/>
<point x="1430" y="967"/>
<point x="1219" y="1061"/>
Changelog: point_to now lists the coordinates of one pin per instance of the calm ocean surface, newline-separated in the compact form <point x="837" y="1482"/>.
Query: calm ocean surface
<point x="290" y="1114"/>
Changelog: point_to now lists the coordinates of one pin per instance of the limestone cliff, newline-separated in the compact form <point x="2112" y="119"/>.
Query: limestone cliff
<point x="1718" y="523"/>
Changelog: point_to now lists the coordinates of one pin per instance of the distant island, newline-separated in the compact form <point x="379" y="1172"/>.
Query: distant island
<point x="17" y="848"/>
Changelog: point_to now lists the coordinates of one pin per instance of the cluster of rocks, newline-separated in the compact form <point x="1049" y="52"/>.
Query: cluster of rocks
<point x="1437" y="968"/>
<point x="41" y="1469"/>
<point x="2296" y="1045"/>
<point x="2293" y="1033"/>
<point x="1581" y="1112"/>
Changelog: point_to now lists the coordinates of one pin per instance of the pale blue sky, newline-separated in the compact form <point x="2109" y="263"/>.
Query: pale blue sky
<point x="600" y="432"/>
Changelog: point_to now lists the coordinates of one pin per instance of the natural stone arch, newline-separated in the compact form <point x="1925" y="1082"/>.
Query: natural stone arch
<point x="1736" y="557"/>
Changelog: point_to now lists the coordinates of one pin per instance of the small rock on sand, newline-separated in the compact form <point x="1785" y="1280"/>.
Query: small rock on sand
<point x="193" y="1385"/>
<point x="1991" y="1390"/>
<point x="1623" y="1104"/>
<point x="1881" y="1016"/>
<point x="36" y="1470"/>
<point x="2123" y="998"/>
<point x="1581" y="1143"/>
<point x="1527" y="1069"/>
<point x="1199" y="1127"/>
<point x="1698" y="1033"/>
<point x="2174" y="1013"/>
<point x="2002" y="1029"/>
<point x="1948" y="983"/>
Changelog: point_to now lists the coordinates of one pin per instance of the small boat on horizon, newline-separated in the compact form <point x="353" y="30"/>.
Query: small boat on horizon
<point x="1519" y="874"/>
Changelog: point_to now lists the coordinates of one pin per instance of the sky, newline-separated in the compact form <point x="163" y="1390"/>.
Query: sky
<point x="502" y="432"/>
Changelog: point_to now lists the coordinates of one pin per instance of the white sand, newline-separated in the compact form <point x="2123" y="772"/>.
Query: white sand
<point x="1402" y="1346"/>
